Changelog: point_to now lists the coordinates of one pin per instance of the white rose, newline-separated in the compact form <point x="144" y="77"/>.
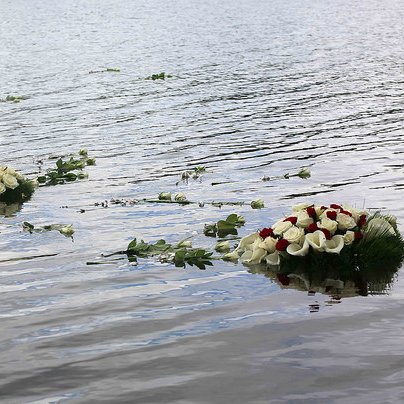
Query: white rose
<point x="303" y="219"/>
<point x="280" y="227"/>
<point x="330" y="225"/>
<point x="2" y="188"/>
<point x="301" y="206"/>
<point x="294" y="235"/>
<point x="268" y="244"/>
<point x="345" y="221"/>
<point x="349" y="237"/>
<point x="10" y="171"/>
<point x="10" y="181"/>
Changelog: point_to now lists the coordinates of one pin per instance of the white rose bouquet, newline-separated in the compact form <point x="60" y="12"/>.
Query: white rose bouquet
<point x="14" y="187"/>
<point x="324" y="235"/>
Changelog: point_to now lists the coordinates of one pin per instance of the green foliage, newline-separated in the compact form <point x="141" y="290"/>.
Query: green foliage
<point x="67" y="170"/>
<point x="66" y="230"/>
<point x="178" y="254"/>
<point x="14" y="98"/>
<point x="159" y="76"/>
<point x="198" y="257"/>
<point x="224" y="227"/>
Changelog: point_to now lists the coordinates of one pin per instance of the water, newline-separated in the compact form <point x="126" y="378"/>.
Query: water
<point x="260" y="88"/>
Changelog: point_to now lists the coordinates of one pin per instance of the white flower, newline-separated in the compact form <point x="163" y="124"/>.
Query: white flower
<point x="180" y="197"/>
<point x="232" y="256"/>
<point x="185" y="244"/>
<point x="280" y="227"/>
<point x="2" y="188"/>
<point x="334" y="245"/>
<point x="316" y="240"/>
<point x="349" y="237"/>
<point x="257" y="204"/>
<point x="222" y="246"/>
<point x="379" y="227"/>
<point x="248" y="240"/>
<point x="297" y="249"/>
<point x="304" y="173"/>
<point x="345" y="221"/>
<point x="330" y="225"/>
<point x="67" y="230"/>
<point x="268" y="244"/>
<point x="10" y="181"/>
<point x="303" y="219"/>
<point x="294" y="234"/>
<point x="165" y="196"/>
<point x="10" y="171"/>
<point x="301" y="206"/>
<point x="273" y="259"/>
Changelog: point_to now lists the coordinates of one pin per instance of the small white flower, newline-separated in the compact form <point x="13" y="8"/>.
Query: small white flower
<point x="180" y="197"/>
<point x="165" y="196"/>
<point x="67" y="230"/>
<point x="222" y="246"/>
<point x="232" y="256"/>
<point x="349" y="237"/>
<point x="330" y="225"/>
<point x="268" y="244"/>
<point x="184" y="244"/>
<point x="10" y="181"/>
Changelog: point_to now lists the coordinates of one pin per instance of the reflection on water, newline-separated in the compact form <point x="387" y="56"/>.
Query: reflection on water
<point x="8" y="210"/>
<point x="259" y="89"/>
<point x="337" y="283"/>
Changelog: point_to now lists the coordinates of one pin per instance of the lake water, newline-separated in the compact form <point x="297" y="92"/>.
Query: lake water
<point x="259" y="88"/>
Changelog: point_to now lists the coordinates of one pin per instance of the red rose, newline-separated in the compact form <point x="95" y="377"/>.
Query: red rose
<point x="361" y="221"/>
<point x="282" y="244"/>
<point x="324" y="207"/>
<point x="292" y="219"/>
<point x="358" y="235"/>
<point x="331" y="214"/>
<point x="311" y="228"/>
<point x="311" y="212"/>
<point x="327" y="233"/>
<point x="345" y="212"/>
<point x="335" y="206"/>
<point x="266" y="232"/>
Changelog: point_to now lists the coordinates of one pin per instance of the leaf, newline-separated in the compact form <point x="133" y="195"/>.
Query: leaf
<point x="132" y="244"/>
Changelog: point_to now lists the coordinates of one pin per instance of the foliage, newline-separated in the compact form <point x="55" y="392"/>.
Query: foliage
<point x="67" y="170"/>
<point x="178" y="254"/>
<point x="224" y="227"/>
<point x="303" y="173"/>
<point x="14" y="98"/>
<point x="20" y="194"/>
<point x="65" y="229"/>
<point x="158" y="76"/>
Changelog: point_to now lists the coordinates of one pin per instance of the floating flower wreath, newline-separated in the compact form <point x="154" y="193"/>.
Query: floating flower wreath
<point x="324" y="235"/>
<point x="14" y="187"/>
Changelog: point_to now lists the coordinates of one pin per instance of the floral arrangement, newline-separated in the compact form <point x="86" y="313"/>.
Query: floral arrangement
<point x="14" y="187"/>
<point x="320" y="236"/>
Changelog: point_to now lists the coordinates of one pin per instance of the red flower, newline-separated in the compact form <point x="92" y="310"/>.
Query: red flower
<point x="345" y="212"/>
<point x="335" y="206"/>
<point x="266" y="232"/>
<point x="311" y="212"/>
<point x="311" y="228"/>
<point x="324" y="207"/>
<point x="282" y="244"/>
<point x="358" y="235"/>
<point x="331" y="214"/>
<point x="327" y="233"/>
<point x="361" y="221"/>
<point x="292" y="219"/>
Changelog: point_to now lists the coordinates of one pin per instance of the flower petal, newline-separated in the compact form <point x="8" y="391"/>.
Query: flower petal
<point x="335" y="245"/>
<point x="298" y="250"/>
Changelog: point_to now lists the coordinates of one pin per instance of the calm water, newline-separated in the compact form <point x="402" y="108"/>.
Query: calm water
<point x="259" y="88"/>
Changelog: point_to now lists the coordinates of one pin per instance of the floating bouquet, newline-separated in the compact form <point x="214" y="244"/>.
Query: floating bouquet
<point x="14" y="187"/>
<point x="320" y="236"/>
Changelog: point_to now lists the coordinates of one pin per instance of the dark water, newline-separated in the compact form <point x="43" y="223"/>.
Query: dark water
<point x="259" y="88"/>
